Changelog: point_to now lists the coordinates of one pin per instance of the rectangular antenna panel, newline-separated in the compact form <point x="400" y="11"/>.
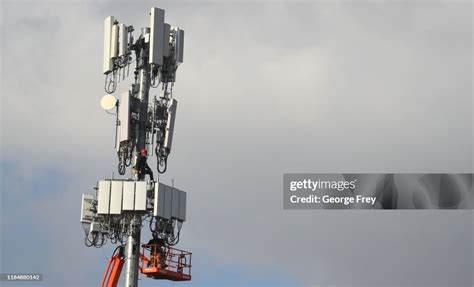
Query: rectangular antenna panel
<point x="114" y="41"/>
<point x="175" y="202"/>
<point x="179" y="45"/>
<point x="124" y="118"/>
<point x="182" y="206"/>
<point x="103" y="197"/>
<point x="140" y="196"/>
<point x="166" y="40"/>
<point x="170" y="124"/>
<point x="168" y="202"/>
<point x="128" y="195"/>
<point x="159" y="200"/>
<point x="179" y="205"/>
<point x="116" y="197"/>
<point x="86" y="213"/>
<point x="108" y="23"/>
<point x="157" y="23"/>
<point x="123" y="40"/>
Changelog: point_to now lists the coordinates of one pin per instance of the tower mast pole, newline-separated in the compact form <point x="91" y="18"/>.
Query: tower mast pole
<point x="132" y="252"/>
<point x="132" y="249"/>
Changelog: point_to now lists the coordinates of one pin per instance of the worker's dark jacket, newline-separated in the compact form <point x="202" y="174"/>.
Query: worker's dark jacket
<point x="143" y="168"/>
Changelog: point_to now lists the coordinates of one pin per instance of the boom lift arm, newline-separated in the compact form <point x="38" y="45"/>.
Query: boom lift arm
<point x="114" y="268"/>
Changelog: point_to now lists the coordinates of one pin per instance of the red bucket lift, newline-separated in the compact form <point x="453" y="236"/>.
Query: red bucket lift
<point x="160" y="262"/>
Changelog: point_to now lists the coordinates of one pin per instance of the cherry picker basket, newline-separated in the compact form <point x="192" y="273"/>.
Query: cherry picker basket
<point x="159" y="262"/>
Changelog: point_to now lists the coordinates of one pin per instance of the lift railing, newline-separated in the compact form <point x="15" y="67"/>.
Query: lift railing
<point x="161" y="262"/>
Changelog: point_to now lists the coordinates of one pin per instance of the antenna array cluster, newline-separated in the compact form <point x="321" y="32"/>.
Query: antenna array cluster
<point x="161" y="48"/>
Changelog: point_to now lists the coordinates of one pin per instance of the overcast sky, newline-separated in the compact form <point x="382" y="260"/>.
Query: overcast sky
<point x="265" y="88"/>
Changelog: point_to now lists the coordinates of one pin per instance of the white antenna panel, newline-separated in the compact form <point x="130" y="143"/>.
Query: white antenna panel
<point x="103" y="197"/>
<point x="108" y="23"/>
<point x="179" y="46"/>
<point x="128" y="202"/>
<point x="166" y="40"/>
<point x="114" y="41"/>
<point x="123" y="40"/>
<point x="157" y="23"/>
<point x="86" y="212"/>
<point x="170" y="124"/>
<point x="124" y="118"/>
<point x="116" y="197"/>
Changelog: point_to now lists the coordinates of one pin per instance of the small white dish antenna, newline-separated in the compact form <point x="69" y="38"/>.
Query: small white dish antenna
<point x="108" y="102"/>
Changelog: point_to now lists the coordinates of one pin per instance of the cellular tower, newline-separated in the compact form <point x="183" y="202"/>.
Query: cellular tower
<point x="118" y="208"/>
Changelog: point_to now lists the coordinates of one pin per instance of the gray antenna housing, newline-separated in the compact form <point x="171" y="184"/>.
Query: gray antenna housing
<point x="157" y="36"/>
<point x="108" y="64"/>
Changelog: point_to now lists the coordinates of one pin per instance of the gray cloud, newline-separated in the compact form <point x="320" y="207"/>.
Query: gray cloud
<point x="266" y="88"/>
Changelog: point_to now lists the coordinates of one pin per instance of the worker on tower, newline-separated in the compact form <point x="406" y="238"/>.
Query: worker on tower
<point x="142" y="168"/>
<point x="158" y="252"/>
